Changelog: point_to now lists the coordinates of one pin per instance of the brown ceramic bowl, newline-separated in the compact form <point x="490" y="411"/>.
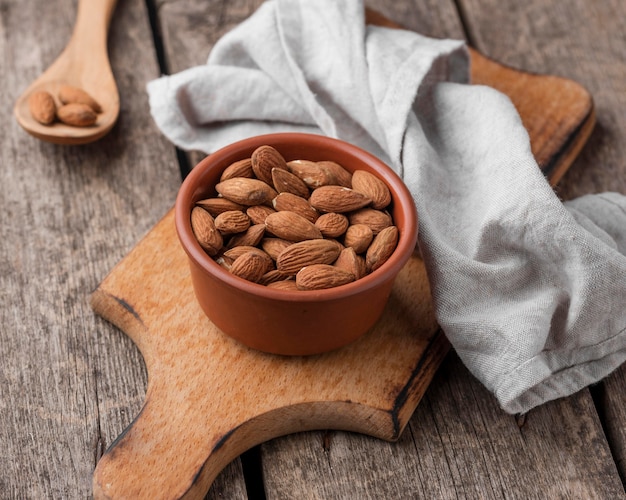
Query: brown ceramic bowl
<point x="292" y="322"/>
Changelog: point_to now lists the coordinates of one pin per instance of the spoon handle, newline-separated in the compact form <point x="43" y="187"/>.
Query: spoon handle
<point x="92" y="24"/>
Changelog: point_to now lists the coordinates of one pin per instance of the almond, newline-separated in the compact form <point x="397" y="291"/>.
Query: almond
<point x="285" y="284"/>
<point x="291" y="226"/>
<point x="337" y="199"/>
<point x="376" y="220"/>
<point x="292" y="203"/>
<point x="340" y="245"/>
<point x="264" y="159"/>
<point x="332" y="224"/>
<point x="231" y="222"/>
<point x="322" y="276"/>
<point x="249" y="266"/>
<point x="241" y="168"/>
<point x="286" y="182"/>
<point x="236" y="252"/>
<point x="381" y="248"/>
<point x="216" y="206"/>
<point x="274" y="246"/>
<point x="225" y="262"/>
<point x="372" y="187"/>
<point x="305" y="253"/>
<point x="75" y="95"/>
<point x="204" y="229"/>
<point x="42" y="107"/>
<point x="258" y="213"/>
<point x="272" y="276"/>
<point x="359" y="237"/>
<point x="246" y="191"/>
<point x="349" y="261"/>
<point x="251" y="237"/>
<point x="341" y="176"/>
<point x="77" y="115"/>
<point x="311" y="173"/>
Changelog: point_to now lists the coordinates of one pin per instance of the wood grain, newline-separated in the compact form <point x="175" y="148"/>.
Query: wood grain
<point x="457" y="444"/>
<point x="69" y="382"/>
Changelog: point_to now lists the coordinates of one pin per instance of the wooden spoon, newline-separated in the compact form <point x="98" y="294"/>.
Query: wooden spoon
<point x="85" y="64"/>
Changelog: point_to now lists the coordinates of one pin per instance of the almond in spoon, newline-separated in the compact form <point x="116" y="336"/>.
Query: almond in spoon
<point x="77" y="115"/>
<point x="69" y="94"/>
<point x="42" y="107"/>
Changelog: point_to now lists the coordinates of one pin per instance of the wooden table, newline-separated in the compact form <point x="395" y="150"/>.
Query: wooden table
<point x="71" y="382"/>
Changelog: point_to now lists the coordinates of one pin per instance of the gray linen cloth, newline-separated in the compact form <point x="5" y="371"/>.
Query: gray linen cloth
<point x="529" y="291"/>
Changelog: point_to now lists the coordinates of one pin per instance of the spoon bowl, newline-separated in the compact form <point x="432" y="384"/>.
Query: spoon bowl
<point x="84" y="63"/>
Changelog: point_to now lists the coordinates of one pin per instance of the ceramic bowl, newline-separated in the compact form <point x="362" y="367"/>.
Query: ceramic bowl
<point x="292" y="322"/>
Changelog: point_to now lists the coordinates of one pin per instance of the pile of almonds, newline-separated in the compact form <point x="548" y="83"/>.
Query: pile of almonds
<point x="77" y="107"/>
<point x="297" y="225"/>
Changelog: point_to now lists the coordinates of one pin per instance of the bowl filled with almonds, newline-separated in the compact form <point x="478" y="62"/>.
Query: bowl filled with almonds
<point x="294" y="240"/>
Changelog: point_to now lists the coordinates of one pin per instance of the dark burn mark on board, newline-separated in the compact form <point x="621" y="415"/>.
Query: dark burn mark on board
<point x="403" y="395"/>
<point x="119" y="443"/>
<point x="554" y="160"/>
<point x="223" y="440"/>
<point x="128" y="308"/>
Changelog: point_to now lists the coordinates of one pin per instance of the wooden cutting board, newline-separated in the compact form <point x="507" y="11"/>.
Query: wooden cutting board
<point x="209" y="398"/>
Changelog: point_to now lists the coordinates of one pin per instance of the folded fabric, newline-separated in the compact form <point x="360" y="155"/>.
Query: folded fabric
<point x="529" y="291"/>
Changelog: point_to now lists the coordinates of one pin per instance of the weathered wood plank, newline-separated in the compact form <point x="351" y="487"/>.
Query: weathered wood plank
<point x="580" y="40"/>
<point x="583" y="41"/>
<point x="188" y="30"/>
<point x="429" y="17"/>
<point x="70" y="382"/>
<point x="459" y="443"/>
<point x="612" y="410"/>
<point x="557" y="451"/>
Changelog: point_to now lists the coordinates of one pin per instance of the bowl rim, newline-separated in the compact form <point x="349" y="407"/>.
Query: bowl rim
<point x="407" y="239"/>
